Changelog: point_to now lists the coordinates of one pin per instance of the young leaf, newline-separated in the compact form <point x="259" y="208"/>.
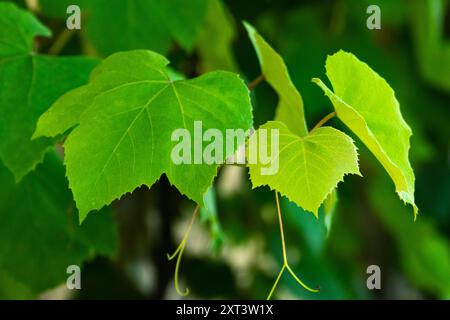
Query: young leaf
<point x="366" y="103"/>
<point x="290" y="106"/>
<point x="310" y="166"/>
<point x="39" y="234"/>
<point x="119" y="25"/>
<point x="29" y="84"/>
<point x="126" y="116"/>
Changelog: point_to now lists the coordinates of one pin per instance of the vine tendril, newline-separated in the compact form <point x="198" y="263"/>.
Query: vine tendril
<point x="285" y="261"/>
<point x="179" y="253"/>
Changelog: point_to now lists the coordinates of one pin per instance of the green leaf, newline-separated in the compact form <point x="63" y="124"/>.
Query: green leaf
<point x="216" y="38"/>
<point x="29" y="84"/>
<point x="366" y="103"/>
<point x="425" y="262"/>
<point x="119" y="25"/>
<point x="13" y="289"/>
<point x="290" y="106"/>
<point x="126" y="116"/>
<point x="39" y="233"/>
<point x="310" y="167"/>
<point x="431" y="46"/>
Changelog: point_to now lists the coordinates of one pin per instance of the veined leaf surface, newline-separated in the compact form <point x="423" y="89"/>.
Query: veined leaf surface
<point x="310" y="167"/>
<point x="126" y="116"/>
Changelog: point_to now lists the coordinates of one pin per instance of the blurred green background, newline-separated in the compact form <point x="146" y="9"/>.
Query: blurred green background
<point x="234" y="250"/>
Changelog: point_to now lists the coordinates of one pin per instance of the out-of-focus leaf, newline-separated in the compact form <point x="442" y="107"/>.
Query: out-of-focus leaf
<point x="216" y="39"/>
<point x="310" y="167"/>
<point x="58" y="8"/>
<point x="39" y="232"/>
<point x="366" y="103"/>
<point x="423" y="253"/>
<point x="29" y="84"/>
<point x="119" y="25"/>
<point x="431" y="48"/>
<point x="209" y="216"/>
<point x="290" y="107"/>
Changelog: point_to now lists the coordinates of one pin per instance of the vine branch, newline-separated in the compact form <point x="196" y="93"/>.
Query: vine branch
<point x="285" y="261"/>
<point x="179" y="252"/>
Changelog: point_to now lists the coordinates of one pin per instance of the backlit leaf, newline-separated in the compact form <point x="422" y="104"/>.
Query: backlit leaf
<point x="119" y="25"/>
<point x="366" y="103"/>
<point x="39" y="233"/>
<point x="310" y="167"/>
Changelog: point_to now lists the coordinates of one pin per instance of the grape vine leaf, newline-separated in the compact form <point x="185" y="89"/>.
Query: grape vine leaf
<point x="366" y="103"/>
<point x="290" y="108"/>
<point x="29" y="84"/>
<point x="310" y="166"/>
<point x="119" y="25"/>
<point x="126" y="116"/>
<point x="39" y="233"/>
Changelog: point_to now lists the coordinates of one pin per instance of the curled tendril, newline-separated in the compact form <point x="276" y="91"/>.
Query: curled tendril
<point x="179" y="253"/>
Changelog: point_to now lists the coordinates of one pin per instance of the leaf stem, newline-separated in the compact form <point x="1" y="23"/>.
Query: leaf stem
<point x="280" y="220"/>
<point x="285" y="261"/>
<point x="179" y="252"/>
<point x="324" y="120"/>
<point x="61" y="42"/>
<point x="276" y="282"/>
<point x="255" y="82"/>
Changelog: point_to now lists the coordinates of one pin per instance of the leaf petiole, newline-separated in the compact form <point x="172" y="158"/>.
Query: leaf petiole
<point x="324" y="120"/>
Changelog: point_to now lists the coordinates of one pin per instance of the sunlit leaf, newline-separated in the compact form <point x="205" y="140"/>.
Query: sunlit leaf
<point x="29" y="84"/>
<point x="310" y="167"/>
<point x="366" y="103"/>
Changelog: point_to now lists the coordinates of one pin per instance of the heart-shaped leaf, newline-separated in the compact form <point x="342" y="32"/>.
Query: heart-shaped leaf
<point x="126" y="116"/>
<point x="290" y="107"/>
<point x="39" y="234"/>
<point x="310" y="167"/>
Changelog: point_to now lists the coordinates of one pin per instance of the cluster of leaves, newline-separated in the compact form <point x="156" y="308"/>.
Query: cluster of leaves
<point x="116" y="117"/>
